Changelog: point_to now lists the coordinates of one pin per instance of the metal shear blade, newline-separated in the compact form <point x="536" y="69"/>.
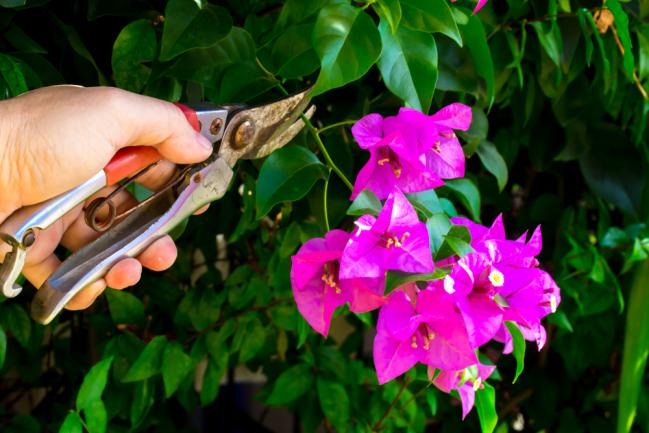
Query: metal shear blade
<point x="265" y="128"/>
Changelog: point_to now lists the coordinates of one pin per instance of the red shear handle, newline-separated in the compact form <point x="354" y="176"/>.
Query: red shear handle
<point x="130" y="160"/>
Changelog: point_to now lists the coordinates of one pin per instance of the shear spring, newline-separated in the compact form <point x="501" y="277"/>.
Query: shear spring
<point x="91" y="212"/>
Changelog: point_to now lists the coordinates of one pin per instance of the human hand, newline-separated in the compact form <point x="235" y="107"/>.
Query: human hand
<point x="53" y="139"/>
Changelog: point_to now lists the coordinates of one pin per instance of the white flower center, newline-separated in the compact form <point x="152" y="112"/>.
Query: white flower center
<point x="496" y="278"/>
<point x="553" y="303"/>
<point x="449" y="285"/>
<point x="361" y="227"/>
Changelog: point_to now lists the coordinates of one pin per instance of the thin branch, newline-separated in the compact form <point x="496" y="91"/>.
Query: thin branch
<point x="396" y="398"/>
<point x="336" y="125"/>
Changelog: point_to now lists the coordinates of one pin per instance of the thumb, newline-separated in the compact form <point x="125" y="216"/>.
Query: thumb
<point x="161" y="124"/>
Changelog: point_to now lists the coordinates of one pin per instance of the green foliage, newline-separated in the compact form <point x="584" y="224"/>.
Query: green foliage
<point x="519" y="348"/>
<point x="558" y="138"/>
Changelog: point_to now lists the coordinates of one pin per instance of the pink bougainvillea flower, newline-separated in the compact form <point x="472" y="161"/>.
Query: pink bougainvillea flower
<point x="466" y="382"/>
<point x="420" y="326"/>
<point x="434" y="136"/>
<point x="474" y="283"/>
<point x="479" y="6"/>
<point x="526" y="294"/>
<point x="317" y="288"/>
<point x="396" y="240"/>
<point x="492" y="242"/>
<point x="529" y="295"/>
<point x="411" y="150"/>
<point x="393" y="161"/>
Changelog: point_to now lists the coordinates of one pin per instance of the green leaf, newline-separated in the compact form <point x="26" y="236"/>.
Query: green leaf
<point x="21" y="41"/>
<point x="347" y="43"/>
<point x="334" y="402"/>
<point x="468" y="194"/>
<point x="293" y="53"/>
<point x="80" y="48"/>
<point x="176" y="364"/>
<point x="3" y="346"/>
<point x="135" y="44"/>
<point x="643" y="50"/>
<point x="211" y="382"/>
<point x="560" y="319"/>
<point x="485" y="402"/>
<point x="12" y="3"/>
<point x="365" y="203"/>
<point x="493" y="162"/>
<point x="438" y="225"/>
<point x="456" y="242"/>
<point x="96" y="416"/>
<point x="142" y="401"/>
<point x="636" y="348"/>
<point x="431" y="399"/>
<point x="519" y="347"/>
<point x="637" y="254"/>
<point x="476" y="41"/>
<point x="15" y="320"/>
<point x="408" y="65"/>
<point x="550" y="39"/>
<point x="253" y="341"/>
<point x="71" y="424"/>
<point x="622" y="27"/>
<point x="94" y="383"/>
<point x="586" y="31"/>
<point x="430" y="16"/>
<point x="189" y="26"/>
<point x="390" y="10"/>
<point x="396" y="279"/>
<point x="290" y="385"/>
<point x="286" y="175"/>
<point x="205" y="66"/>
<point x="12" y="74"/>
<point x="149" y="362"/>
<point x="124" y="307"/>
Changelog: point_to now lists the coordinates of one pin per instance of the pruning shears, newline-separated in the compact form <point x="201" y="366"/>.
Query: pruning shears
<point x="237" y="132"/>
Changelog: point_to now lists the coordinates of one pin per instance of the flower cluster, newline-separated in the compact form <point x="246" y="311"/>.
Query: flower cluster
<point x="441" y="323"/>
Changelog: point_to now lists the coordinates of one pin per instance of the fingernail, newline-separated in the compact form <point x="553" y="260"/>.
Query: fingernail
<point x="204" y="142"/>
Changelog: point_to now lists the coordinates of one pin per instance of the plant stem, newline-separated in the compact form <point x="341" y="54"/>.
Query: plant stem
<point x="316" y="135"/>
<point x="393" y="403"/>
<point x="336" y="125"/>
<point x="324" y="201"/>
<point x="323" y="149"/>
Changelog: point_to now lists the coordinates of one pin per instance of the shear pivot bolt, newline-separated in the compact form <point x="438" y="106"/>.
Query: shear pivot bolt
<point x="216" y="125"/>
<point x="29" y="239"/>
<point x="244" y="133"/>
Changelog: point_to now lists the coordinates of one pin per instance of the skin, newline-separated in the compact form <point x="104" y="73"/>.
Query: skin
<point x="54" y="138"/>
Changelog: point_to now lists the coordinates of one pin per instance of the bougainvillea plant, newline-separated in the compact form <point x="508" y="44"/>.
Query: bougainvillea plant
<point x="441" y="313"/>
<point x="417" y="286"/>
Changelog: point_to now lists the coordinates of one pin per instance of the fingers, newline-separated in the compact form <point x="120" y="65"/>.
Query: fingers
<point x="160" y="255"/>
<point x="157" y="123"/>
<point x="125" y="273"/>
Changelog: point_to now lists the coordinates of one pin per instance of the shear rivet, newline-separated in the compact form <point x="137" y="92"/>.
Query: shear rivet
<point x="244" y="134"/>
<point x="29" y="239"/>
<point x="216" y="125"/>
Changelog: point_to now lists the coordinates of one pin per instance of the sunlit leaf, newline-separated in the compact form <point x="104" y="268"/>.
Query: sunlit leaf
<point x="93" y="383"/>
<point x="408" y="65"/>
<point x="189" y="26"/>
<point x="347" y="43"/>
<point x="136" y="44"/>
<point x="430" y="16"/>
